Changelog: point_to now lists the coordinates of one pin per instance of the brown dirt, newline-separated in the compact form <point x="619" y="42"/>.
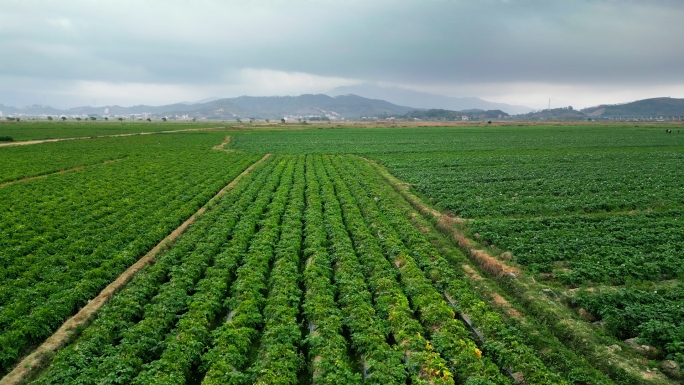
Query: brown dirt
<point x="55" y="173"/>
<point x="502" y="302"/>
<point x="70" y="329"/>
<point x="472" y="273"/>
<point x="223" y="144"/>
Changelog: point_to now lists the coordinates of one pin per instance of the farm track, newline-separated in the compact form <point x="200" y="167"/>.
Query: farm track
<point x="39" y="141"/>
<point x="623" y="367"/>
<point x="27" y="367"/>
<point x="57" y="173"/>
<point x="223" y="145"/>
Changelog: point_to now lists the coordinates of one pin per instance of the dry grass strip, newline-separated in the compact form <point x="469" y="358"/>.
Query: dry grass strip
<point x="40" y="357"/>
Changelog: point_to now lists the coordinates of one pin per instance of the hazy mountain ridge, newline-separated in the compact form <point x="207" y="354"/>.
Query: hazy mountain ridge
<point x="263" y="107"/>
<point x="646" y="107"/>
<point x="353" y="107"/>
<point x="424" y="100"/>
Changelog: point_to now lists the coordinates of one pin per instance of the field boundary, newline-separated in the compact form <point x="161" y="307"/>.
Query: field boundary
<point x="540" y="299"/>
<point x="4" y="184"/>
<point x="70" y="329"/>
<point x="222" y="146"/>
<point x="39" y="141"/>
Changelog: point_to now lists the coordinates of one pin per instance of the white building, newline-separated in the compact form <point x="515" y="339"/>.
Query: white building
<point x="106" y="112"/>
<point x="464" y="118"/>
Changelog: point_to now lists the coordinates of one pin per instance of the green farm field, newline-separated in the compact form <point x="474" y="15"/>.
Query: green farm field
<point x="347" y="255"/>
<point x="41" y="129"/>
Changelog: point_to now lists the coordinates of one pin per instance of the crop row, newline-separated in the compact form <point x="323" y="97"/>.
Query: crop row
<point x="326" y="345"/>
<point x="228" y="361"/>
<point x="447" y="334"/>
<point x="601" y="249"/>
<point x="506" y="350"/>
<point x="120" y="341"/>
<point x="380" y="363"/>
<point x="296" y="273"/>
<point x="83" y="229"/>
<point x="485" y="186"/>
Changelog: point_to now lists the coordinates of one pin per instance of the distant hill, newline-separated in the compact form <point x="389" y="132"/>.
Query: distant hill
<point x="655" y="107"/>
<point x="553" y="114"/>
<point x="448" y="115"/>
<point x="425" y="100"/>
<point x="262" y="107"/>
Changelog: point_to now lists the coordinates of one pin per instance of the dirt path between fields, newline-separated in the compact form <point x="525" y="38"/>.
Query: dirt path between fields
<point x="31" y="364"/>
<point x="28" y="142"/>
<point x="56" y="173"/>
<point x="223" y="145"/>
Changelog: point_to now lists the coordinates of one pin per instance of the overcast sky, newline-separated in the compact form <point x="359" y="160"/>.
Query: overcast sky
<point x="577" y="52"/>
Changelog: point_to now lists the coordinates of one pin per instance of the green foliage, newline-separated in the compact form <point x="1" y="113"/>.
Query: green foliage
<point x="86" y="227"/>
<point x="656" y="316"/>
<point x="30" y="130"/>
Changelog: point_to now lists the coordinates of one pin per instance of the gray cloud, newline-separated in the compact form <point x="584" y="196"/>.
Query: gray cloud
<point x="52" y="48"/>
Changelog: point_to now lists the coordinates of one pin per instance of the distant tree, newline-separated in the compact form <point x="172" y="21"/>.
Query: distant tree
<point x="489" y="122"/>
<point x="63" y="118"/>
<point x="299" y="120"/>
<point x="570" y="108"/>
<point x="79" y="119"/>
<point x="282" y="120"/>
<point x="194" y="119"/>
<point x="268" y="121"/>
<point x="238" y="120"/>
<point x="251" y="120"/>
<point x="149" y="120"/>
<point x="304" y="121"/>
<point x="49" y="117"/>
<point x="163" y="119"/>
<point x="120" y="119"/>
<point x="93" y="118"/>
<point x="106" y="118"/>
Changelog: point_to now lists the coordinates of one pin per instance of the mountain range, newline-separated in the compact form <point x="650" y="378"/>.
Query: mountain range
<point x="354" y="107"/>
<point x="262" y="107"/>
<point x="424" y="100"/>
<point x="655" y="107"/>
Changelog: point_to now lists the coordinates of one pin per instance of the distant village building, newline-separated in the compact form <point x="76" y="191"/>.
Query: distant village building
<point x="0" y="113"/>
<point x="106" y="112"/>
<point x="464" y="118"/>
